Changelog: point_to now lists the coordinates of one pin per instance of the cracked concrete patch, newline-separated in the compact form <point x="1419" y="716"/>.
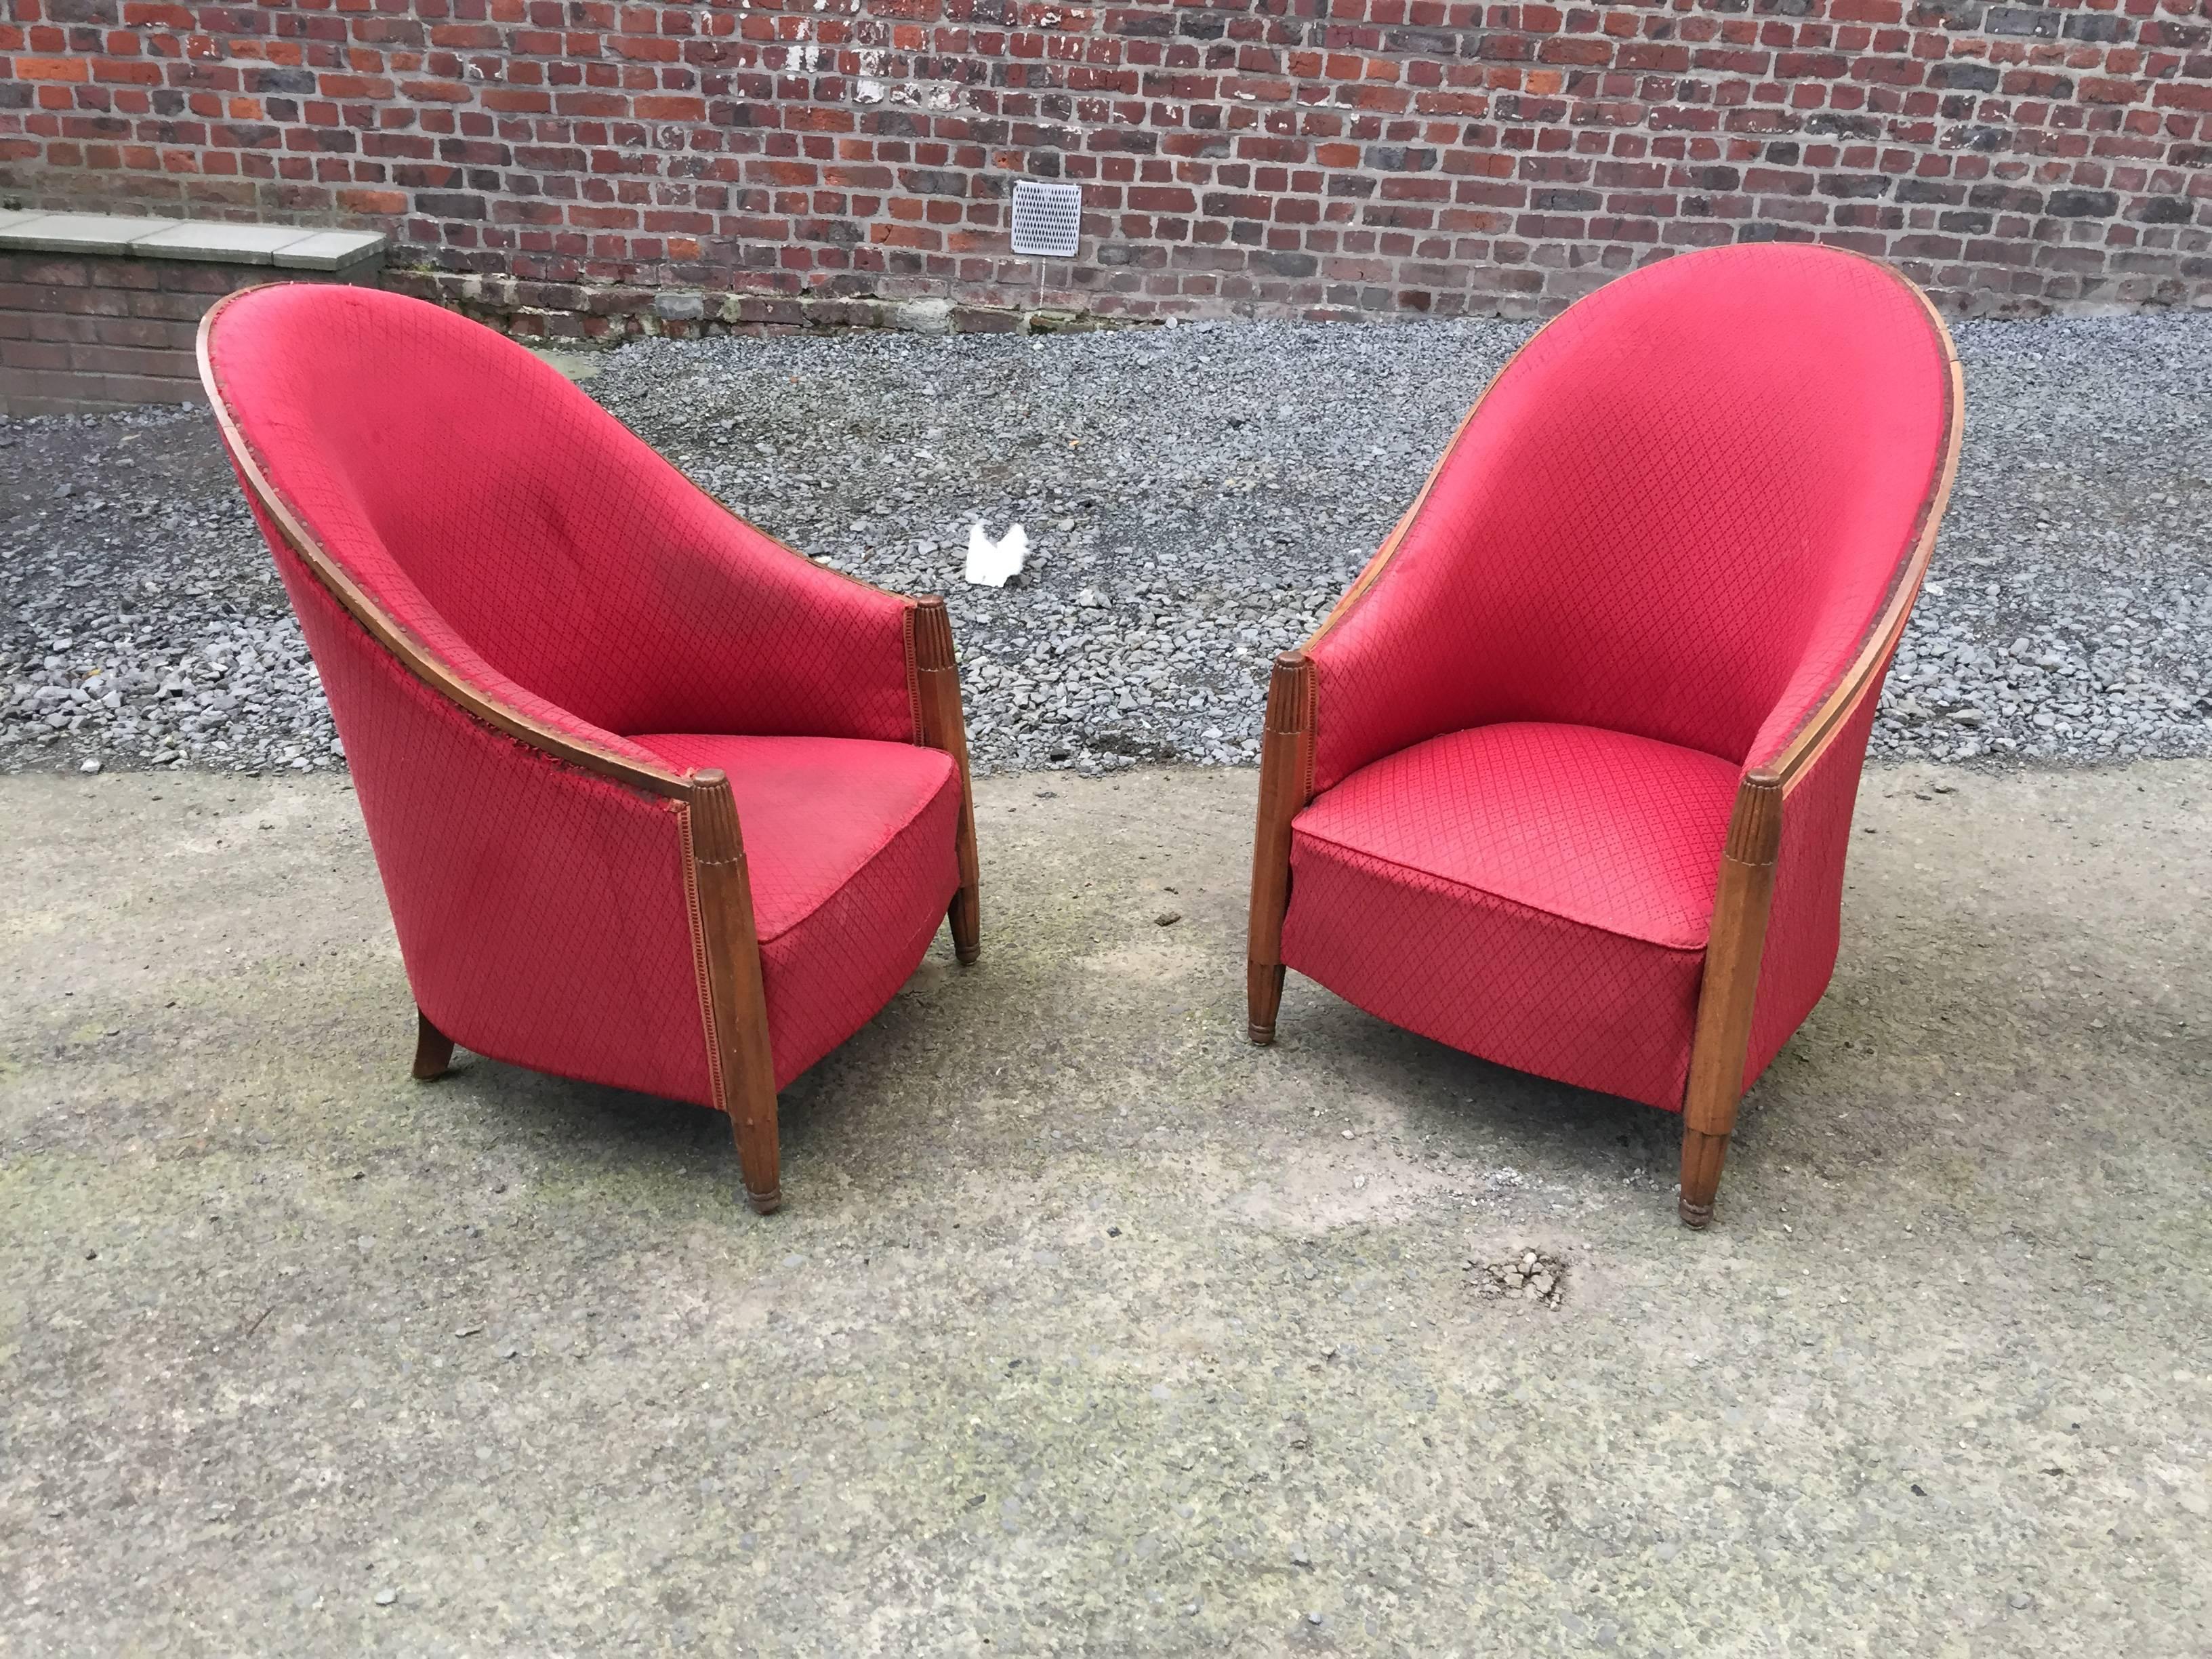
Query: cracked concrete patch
<point x="1529" y="1276"/>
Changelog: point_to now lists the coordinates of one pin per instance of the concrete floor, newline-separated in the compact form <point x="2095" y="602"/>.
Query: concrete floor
<point x="1088" y="1329"/>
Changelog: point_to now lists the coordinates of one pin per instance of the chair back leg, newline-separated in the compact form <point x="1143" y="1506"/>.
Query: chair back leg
<point x="945" y="726"/>
<point x="434" y="1049"/>
<point x="966" y="917"/>
<point x="1285" y="765"/>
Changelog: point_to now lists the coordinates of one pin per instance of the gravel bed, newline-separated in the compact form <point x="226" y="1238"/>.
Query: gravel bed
<point x="1196" y="498"/>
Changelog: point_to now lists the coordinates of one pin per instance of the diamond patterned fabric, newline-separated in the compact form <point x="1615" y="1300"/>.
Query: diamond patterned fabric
<point x="561" y="568"/>
<point x="1676" y="514"/>
<point x="1538" y="895"/>
<point x="536" y="546"/>
<point x="541" y="910"/>
<point x="849" y="847"/>
<point x="1653" y="550"/>
<point x="1804" y="925"/>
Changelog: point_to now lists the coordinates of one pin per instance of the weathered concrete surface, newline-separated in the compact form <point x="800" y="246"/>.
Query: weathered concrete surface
<point x="1084" y="1315"/>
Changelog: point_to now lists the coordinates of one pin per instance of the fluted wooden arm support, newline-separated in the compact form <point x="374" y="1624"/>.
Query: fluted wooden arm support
<point x="944" y="725"/>
<point x="1285" y="785"/>
<point x="736" y="1009"/>
<point x="1729" y="990"/>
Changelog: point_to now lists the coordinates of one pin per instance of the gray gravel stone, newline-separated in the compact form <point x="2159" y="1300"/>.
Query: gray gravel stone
<point x="1196" y="497"/>
<point x="2069" y="616"/>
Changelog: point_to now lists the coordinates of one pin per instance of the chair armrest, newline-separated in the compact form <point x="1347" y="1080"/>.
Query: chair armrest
<point x="428" y="650"/>
<point x="747" y="635"/>
<point x="1800" y="730"/>
<point x="1811" y="752"/>
<point x="1360" y="715"/>
<point x="1786" y="937"/>
<point x="1363" y="710"/>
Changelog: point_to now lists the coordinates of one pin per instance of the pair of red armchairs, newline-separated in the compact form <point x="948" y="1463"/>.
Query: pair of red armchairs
<point x="1565" y="780"/>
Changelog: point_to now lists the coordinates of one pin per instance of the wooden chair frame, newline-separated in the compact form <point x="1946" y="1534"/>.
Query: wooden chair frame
<point x="1722" y="1036"/>
<point x="718" y="889"/>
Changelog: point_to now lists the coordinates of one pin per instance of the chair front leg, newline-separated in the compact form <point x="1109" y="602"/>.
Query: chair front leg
<point x="944" y="725"/>
<point x="1285" y="764"/>
<point x="736" y="1001"/>
<point x="1729" y="993"/>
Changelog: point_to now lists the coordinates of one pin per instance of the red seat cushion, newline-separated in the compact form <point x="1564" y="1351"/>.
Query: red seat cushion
<point x="850" y="845"/>
<point x="1539" y="895"/>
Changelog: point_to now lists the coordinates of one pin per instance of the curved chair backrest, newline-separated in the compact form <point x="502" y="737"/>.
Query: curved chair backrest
<point x="542" y="909"/>
<point x="524" y="536"/>
<point x="1677" y="512"/>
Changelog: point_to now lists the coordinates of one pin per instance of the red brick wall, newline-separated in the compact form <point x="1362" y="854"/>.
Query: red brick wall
<point x="556" y="162"/>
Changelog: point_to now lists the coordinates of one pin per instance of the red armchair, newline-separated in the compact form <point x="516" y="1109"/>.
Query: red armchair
<point x="657" y="803"/>
<point x="1565" y="780"/>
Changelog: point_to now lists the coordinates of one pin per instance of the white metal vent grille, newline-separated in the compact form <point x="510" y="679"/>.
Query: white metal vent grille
<point x="1048" y="218"/>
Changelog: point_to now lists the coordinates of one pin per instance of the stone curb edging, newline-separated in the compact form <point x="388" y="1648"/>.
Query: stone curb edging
<point x="290" y="248"/>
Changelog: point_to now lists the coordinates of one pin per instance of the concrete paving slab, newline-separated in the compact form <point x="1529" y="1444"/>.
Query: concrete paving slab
<point x="80" y="232"/>
<point x="332" y="250"/>
<point x="1089" y="1329"/>
<point x="220" y="243"/>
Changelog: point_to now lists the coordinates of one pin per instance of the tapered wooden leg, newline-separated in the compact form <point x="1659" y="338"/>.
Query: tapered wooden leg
<point x="1730" y="990"/>
<point x="967" y="919"/>
<point x="753" y="1127"/>
<point x="1263" y="995"/>
<point x="1703" y="1154"/>
<point x="434" y="1049"/>
<point x="1285" y="758"/>
<point x="744" y="1071"/>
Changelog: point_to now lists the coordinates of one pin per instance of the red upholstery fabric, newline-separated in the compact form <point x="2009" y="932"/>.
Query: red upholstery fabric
<point x="533" y="544"/>
<point x="1676" y="513"/>
<point x="1539" y="895"/>
<point x="541" y="911"/>
<point x="849" y="846"/>
<point x="561" y="568"/>
<point x="1804" y="925"/>
<point x="1674" y="519"/>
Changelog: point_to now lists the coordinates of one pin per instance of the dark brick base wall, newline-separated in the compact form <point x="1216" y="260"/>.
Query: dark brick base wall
<point x="82" y="333"/>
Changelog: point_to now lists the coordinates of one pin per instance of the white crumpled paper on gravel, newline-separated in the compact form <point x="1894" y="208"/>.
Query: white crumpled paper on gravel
<point x="994" y="563"/>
